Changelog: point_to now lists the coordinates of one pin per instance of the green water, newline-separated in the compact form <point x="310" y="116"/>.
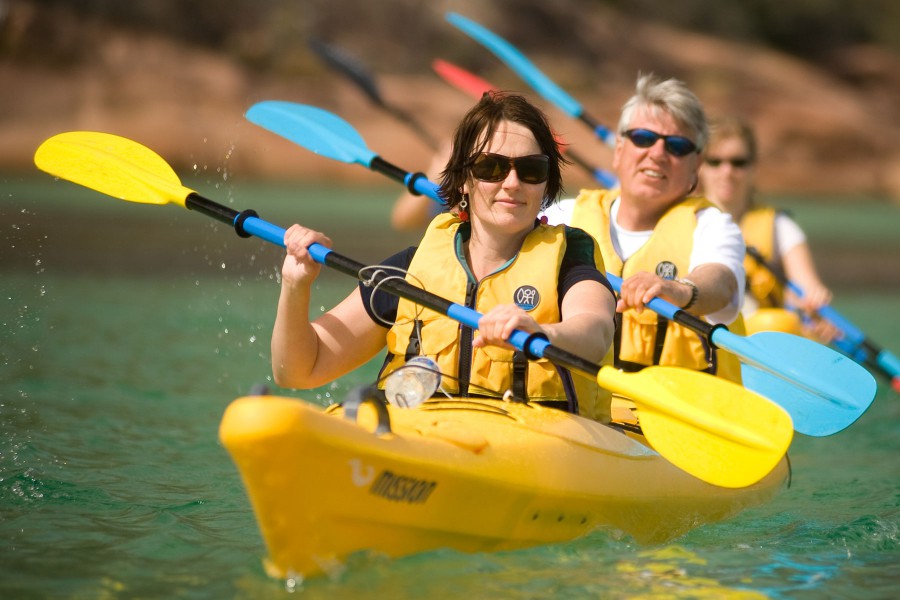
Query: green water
<point x="128" y="329"/>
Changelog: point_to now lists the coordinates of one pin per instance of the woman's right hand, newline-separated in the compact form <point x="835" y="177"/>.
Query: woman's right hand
<point x="299" y="268"/>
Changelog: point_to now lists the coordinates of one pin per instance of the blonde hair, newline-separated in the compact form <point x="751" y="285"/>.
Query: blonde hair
<point x="728" y="127"/>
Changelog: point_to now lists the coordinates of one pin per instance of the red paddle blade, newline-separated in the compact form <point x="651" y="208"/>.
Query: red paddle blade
<point x="461" y="79"/>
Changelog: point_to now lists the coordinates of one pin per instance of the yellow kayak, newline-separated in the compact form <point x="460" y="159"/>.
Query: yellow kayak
<point x="774" y="319"/>
<point x="473" y="475"/>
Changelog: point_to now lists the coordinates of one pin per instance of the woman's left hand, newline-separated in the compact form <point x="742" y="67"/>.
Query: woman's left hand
<point x="496" y="325"/>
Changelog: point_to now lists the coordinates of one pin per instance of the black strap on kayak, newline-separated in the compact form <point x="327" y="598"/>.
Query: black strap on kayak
<point x="466" y="335"/>
<point x="623" y="427"/>
<point x="712" y="357"/>
<point x="662" y="327"/>
<point x="368" y="394"/>
<point x="520" y="375"/>
<point x="571" y="403"/>
<point x="625" y="365"/>
<point x="415" y="343"/>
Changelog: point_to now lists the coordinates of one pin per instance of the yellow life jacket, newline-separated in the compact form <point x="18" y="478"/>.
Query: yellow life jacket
<point x="530" y="281"/>
<point x="758" y="227"/>
<point x="647" y="338"/>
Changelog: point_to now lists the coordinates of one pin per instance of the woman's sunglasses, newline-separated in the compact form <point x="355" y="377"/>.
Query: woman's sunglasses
<point x="676" y="145"/>
<point x="496" y="167"/>
<point x="737" y="163"/>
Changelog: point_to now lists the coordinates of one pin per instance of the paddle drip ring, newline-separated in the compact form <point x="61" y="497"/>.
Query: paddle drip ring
<point x="378" y="277"/>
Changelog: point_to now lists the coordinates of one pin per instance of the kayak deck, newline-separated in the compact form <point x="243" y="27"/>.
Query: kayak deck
<point x="473" y="475"/>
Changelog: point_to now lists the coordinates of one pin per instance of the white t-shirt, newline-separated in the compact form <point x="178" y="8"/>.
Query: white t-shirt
<point x="788" y="235"/>
<point x="717" y="239"/>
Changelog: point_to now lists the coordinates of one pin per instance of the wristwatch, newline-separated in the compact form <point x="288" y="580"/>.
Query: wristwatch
<point x="694" y="292"/>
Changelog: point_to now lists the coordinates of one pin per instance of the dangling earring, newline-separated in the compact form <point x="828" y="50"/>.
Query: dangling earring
<point x="463" y="205"/>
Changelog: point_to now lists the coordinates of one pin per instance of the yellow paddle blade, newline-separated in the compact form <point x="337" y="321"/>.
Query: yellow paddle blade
<point x="112" y="165"/>
<point x="714" y="429"/>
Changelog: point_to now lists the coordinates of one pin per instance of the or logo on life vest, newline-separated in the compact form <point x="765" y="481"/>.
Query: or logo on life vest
<point x="527" y="297"/>
<point x="667" y="270"/>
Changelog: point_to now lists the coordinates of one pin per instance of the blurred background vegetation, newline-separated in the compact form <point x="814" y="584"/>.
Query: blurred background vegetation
<point x="268" y="33"/>
<point x="819" y="78"/>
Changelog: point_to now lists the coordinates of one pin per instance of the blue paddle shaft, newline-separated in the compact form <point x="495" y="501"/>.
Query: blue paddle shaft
<point x="534" y="346"/>
<point x="533" y="76"/>
<point x="603" y="132"/>
<point x="272" y="233"/>
<point x="422" y="185"/>
<point x="518" y="63"/>
<point x="854" y="342"/>
<point x="606" y="178"/>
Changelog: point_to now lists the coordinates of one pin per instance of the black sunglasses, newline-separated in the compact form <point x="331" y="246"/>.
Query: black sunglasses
<point x="737" y="163"/>
<point x="676" y="145"/>
<point x="496" y="167"/>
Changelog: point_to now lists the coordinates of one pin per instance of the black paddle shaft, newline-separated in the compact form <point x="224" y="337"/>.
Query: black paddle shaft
<point x="396" y="173"/>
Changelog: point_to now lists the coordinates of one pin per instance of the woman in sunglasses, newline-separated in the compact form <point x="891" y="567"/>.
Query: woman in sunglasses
<point x="488" y="252"/>
<point x="775" y="243"/>
<point x="660" y="239"/>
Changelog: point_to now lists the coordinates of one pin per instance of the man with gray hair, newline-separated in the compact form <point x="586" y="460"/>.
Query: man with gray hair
<point x="663" y="241"/>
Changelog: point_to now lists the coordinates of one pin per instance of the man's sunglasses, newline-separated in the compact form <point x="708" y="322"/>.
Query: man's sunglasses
<point x="496" y="167"/>
<point x="737" y="163"/>
<point x="676" y="145"/>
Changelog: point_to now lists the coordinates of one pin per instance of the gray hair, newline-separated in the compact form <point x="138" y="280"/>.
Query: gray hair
<point x="670" y="96"/>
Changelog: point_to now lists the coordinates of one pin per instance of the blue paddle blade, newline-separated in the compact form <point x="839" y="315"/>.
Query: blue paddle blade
<point x="823" y="390"/>
<point x="318" y="130"/>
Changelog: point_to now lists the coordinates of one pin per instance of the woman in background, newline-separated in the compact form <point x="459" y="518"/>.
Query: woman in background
<point x="727" y="179"/>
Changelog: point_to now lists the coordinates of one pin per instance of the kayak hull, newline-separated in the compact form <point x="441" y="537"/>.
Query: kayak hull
<point x="773" y="319"/>
<point x="475" y="476"/>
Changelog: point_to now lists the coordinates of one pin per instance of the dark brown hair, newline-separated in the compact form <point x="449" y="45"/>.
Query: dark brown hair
<point x="478" y="127"/>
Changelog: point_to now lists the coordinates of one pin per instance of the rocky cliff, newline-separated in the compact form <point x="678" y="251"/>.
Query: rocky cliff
<point x="824" y="129"/>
